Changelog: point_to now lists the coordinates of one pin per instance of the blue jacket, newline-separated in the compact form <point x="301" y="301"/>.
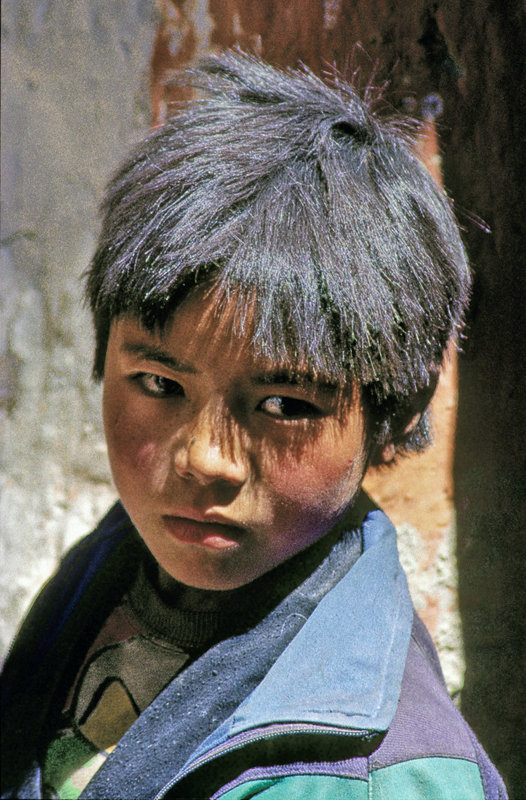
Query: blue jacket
<point x="355" y="708"/>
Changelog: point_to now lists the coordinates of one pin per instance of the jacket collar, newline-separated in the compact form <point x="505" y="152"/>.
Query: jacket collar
<point x="345" y="666"/>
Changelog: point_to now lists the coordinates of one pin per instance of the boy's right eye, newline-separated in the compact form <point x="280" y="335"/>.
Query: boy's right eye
<point x="288" y="408"/>
<point x="158" y="385"/>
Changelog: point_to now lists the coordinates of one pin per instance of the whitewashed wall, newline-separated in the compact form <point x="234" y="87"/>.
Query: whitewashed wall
<point x="74" y="98"/>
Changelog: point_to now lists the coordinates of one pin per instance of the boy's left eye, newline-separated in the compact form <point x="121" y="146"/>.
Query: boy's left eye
<point x="281" y="407"/>
<point x="158" y="385"/>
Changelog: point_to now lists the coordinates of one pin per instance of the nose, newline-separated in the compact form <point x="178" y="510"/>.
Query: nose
<point x="212" y="451"/>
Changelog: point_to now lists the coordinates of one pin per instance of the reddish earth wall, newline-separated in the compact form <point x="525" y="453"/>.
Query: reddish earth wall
<point x="470" y="52"/>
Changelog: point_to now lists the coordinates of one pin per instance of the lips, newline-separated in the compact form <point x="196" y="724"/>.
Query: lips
<point x="213" y="535"/>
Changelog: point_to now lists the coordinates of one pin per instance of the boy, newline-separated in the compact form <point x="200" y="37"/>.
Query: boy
<point x="276" y="280"/>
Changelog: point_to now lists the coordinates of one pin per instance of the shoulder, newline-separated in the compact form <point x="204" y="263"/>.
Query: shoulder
<point x="429" y="743"/>
<point x="53" y="638"/>
<point x="79" y="578"/>
<point x="102" y="540"/>
<point x="428" y="753"/>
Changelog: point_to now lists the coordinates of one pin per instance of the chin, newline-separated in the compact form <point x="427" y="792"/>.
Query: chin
<point x="213" y="578"/>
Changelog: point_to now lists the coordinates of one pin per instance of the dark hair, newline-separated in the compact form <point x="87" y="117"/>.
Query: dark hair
<point x="294" y="195"/>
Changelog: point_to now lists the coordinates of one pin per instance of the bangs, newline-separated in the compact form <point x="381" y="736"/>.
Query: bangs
<point x="311" y="217"/>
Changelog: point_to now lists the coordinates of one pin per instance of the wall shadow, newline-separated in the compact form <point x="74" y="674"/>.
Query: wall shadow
<point x="490" y="502"/>
<point x="483" y="161"/>
<point x="490" y="495"/>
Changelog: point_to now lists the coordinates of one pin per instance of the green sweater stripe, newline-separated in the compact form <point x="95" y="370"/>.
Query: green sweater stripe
<point x="428" y="779"/>
<point x="300" y="787"/>
<point x="418" y="779"/>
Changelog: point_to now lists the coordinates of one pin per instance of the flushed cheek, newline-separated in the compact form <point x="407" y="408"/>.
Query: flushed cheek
<point x="133" y="452"/>
<point x="296" y="498"/>
<point x="312" y="476"/>
<point x="315" y="492"/>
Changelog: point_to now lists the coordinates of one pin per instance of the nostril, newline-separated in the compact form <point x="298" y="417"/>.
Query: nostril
<point x="206" y="460"/>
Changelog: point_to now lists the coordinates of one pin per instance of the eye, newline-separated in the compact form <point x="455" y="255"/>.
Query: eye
<point x="288" y="408"/>
<point x="158" y="385"/>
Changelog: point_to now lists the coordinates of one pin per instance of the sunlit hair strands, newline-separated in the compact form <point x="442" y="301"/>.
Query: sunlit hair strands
<point x="301" y="204"/>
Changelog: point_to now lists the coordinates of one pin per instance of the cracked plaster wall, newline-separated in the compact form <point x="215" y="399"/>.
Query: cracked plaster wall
<point x="74" y="98"/>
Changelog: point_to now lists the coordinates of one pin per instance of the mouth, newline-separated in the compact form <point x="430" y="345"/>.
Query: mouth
<point x="212" y="535"/>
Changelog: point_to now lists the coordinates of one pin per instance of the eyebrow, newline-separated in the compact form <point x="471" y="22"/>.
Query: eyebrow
<point x="284" y="376"/>
<point x="152" y="353"/>
<point x="279" y="377"/>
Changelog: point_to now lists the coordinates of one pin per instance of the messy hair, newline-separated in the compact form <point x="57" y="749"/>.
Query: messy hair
<point x="301" y="203"/>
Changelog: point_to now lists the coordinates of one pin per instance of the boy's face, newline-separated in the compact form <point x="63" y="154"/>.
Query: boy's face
<point x="226" y="463"/>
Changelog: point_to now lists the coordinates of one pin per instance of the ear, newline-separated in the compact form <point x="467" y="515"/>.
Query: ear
<point x="388" y="451"/>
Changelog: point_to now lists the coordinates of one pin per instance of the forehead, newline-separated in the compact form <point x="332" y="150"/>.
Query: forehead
<point x="206" y="329"/>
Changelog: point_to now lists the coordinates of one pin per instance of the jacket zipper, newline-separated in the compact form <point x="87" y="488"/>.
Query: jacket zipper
<point x="256" y="735"/>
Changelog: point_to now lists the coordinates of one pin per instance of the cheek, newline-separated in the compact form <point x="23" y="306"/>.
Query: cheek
<point x="133" y="448"/>
<point x="319" y="479"/>
<point x="326" y="475"/>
